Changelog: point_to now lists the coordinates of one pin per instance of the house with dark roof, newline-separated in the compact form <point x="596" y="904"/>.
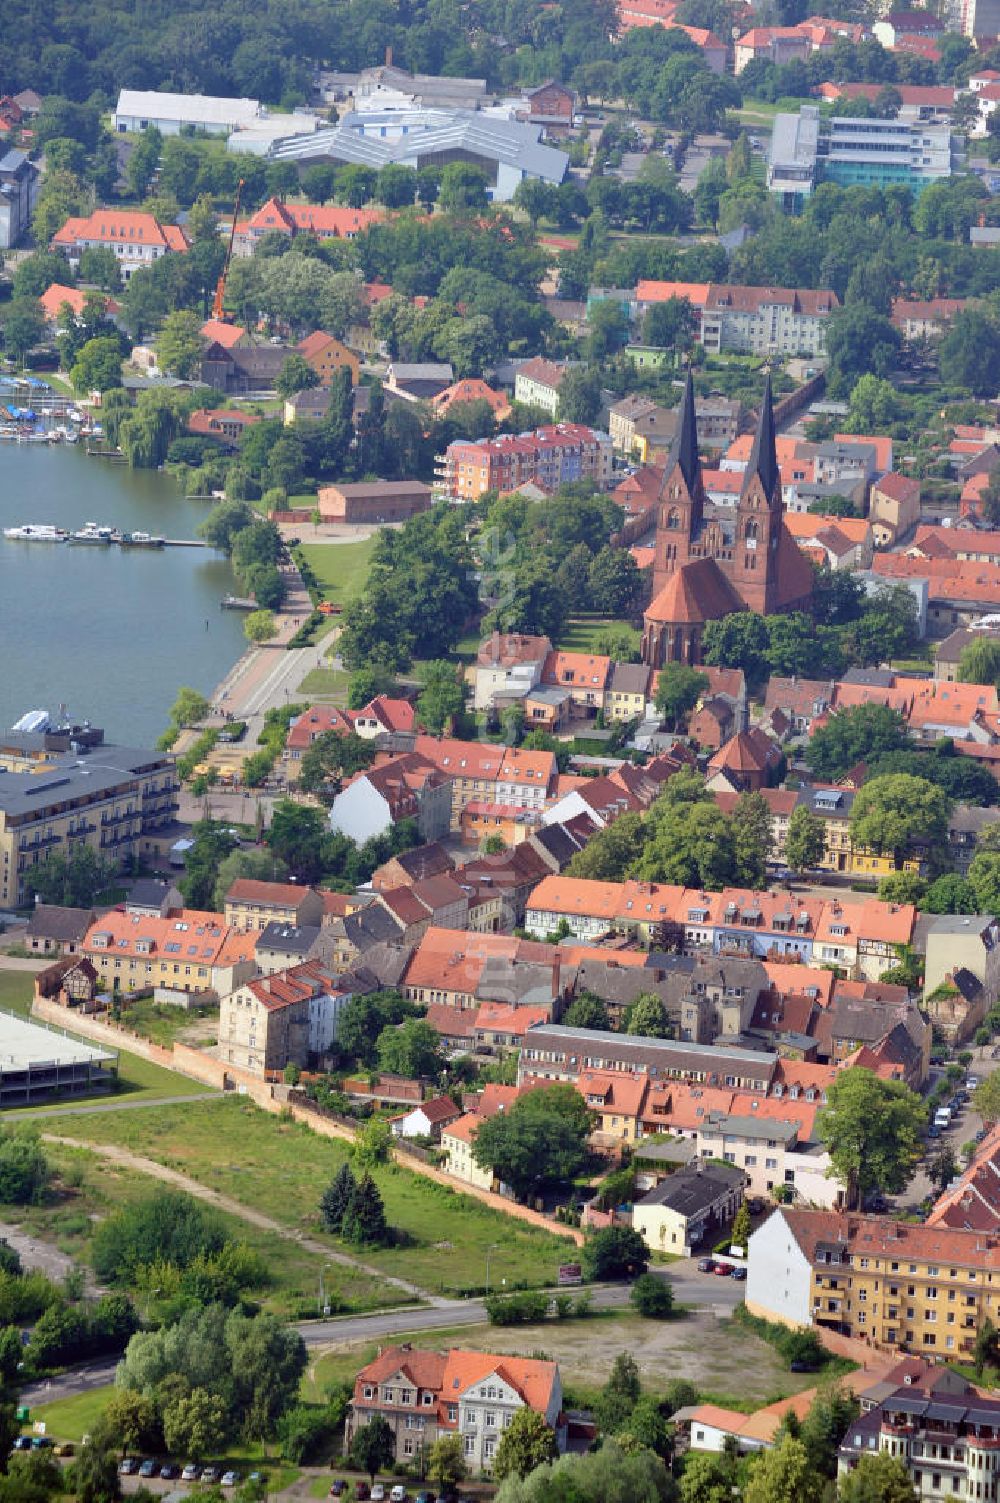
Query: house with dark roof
<point x="684" y="1209"/>
<point x="242" y="369"/>
<point x="53" y="930"/>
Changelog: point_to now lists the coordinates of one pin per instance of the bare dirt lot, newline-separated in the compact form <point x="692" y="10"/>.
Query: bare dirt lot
<point x="716" y="1355"/>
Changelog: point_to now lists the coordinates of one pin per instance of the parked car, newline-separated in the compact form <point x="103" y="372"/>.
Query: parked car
<point x="424" y="1497"/>
<point x="934" y="1131"/>
<point x="128" y="1466"/>
<point x="261" y="1477"/>
<point x="148" y="1468"/>
<point x="210" y="1474"/>
<point x="22" y="1443"/>
<point x="739" y="1274"/>
<point x="65" y="1448"/>
<point x="378" y="1492"/>
<point x="339" y="1488"/>
<point x="971" y="1081"/>
<point x="398" y="1494"/>
<point x="168" y="1471"/>
<point x="706" y="1265"/>
<point x="190" y="1473"/>
<point x="755" y="1205"/>
<point x="723" y="1270"/>
<point x="230" y="1478"/>
<point x="361" y="1491"/>
<point x="801" y="1367"/>
<point x="42" y="1442"/>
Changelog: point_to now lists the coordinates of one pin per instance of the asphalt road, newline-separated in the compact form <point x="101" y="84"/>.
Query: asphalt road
<point x="700" y="1292"/>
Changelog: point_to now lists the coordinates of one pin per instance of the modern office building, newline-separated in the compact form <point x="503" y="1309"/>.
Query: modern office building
<point x="807" y="150"/>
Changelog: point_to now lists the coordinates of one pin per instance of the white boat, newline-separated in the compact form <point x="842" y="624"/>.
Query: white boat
<point x="36" y="532"/>
<point x="94" y="534"/>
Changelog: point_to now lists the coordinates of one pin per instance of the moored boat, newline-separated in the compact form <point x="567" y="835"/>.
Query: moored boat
<point x="92" y="533"/>
<point x="36" y="532"/>
<point x="141" y="540"/>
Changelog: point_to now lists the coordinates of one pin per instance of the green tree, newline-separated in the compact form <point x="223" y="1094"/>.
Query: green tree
<point x="442" y="697"/>
<point x="329" y="759"/>
<point x="738" y="641"/>
<point x="373" y="1447"/>
<point x="22" y="324"/>
<point x="24" y="1169"/>
<point x="740" y="1234"/>
<point x="690" y="844"/>
<point x="96" y="1472"/>
<point x="902" y="887"/>
<point x="615" y="1252"/>
<point x="75" y="880"/>
<point x="131" y="1420"/>
<point x="894" y="813"/>
<point x="336" y="1199"/>
<point x="620" y="1394"/>
<point x="260" y="626"/>
<point x="985" y="1347"/>
<point x="189" y="708"/>
<point x="653" y="1297"/>
<point x="979" y="662"/>
<point x="614" y="582"/>
<point x="254" y="863"/>
<point x="195" y="1424"/>
<point x="527" y="1442"/>
<point x="446" y="1462"/>
<point x="579" y="395"/>
<point x="224" y="522"/>
<point x="648" y="1017"/>
<point x="609" y="853"/>
<point x="861" y="733"/>
<point x="587" y="1011"/>
<point x="783" y="1475"/>
<point x="942" y="1168"/>
<point x="872" y="1130"/>
<point x="949" y="894"/>
<point x="411" y="1049"/>
<point x="612" y="1473"/>
<point x="678" y="690"/>
<point x="295" y="375"/>
<point x="180" y="343"/>
<point x="969" y="353"/>
<point x="170" y="1227"/>
<point x="751" y="826"/>
<point x="296" y="835"/>
<point x="364" y="1222"/>
<point x="858" y="341"/>
<point x="463" y="189"/>
<point x="706" y="1479"/>
<point x="877" y="1478"/>
<point x="984" y="879"/>
<point x="805" y="842"/>
<point x="540" y="1142"/>
<point x="98" y="365"/>
<point x="267" y="1360"/>
<point x="986" y="1099"/>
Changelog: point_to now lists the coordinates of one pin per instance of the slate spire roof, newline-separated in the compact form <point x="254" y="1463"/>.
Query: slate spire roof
<point x="684" y="449"/>
<point x="763" y="455"/>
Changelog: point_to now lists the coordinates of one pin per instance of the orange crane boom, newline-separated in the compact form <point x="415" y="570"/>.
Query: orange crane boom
<point x="218" y="311"/>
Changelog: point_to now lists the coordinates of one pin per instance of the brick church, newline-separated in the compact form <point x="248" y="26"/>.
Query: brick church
<point x="711" y="560"/>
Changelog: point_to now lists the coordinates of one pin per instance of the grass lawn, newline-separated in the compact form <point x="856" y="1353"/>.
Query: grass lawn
<point x="583" y="636"/>
<point x="86" y="1189"/>
<point x="341" y="568"/>
<point x="72" y="1419"/>
<point x="326" y="683"/>
<point x="281" y="1168"/>
<point x="16" y="991"/>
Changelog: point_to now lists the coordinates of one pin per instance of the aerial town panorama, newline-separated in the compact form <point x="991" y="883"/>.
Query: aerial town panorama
<point x="499" y="752"/>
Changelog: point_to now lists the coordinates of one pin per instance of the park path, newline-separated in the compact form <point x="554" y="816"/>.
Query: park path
<point x="129" y="1160"/>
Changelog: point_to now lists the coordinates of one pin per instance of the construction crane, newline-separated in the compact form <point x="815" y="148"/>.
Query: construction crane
<point x="218" y="311"/>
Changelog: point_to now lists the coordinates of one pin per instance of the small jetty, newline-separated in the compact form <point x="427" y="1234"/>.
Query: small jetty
<point x="236" y="603"/>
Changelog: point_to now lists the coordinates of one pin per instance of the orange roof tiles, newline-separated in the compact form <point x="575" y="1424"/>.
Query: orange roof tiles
<point x="271" y="894"/>
<point x="217" y="331"/>
<point x="650" y="291"/>
<point x="120" y="226"/>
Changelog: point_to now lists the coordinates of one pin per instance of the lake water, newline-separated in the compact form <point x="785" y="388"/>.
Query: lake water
<point x="111" y="633"/>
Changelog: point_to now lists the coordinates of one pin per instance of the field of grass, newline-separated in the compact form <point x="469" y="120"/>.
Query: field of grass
<point x="281" y="1168"/>
<point x="163" y="1024"/>
<point x="583" y="636"/>
<point x="341" y="568"/>
<point x="86" y="1189"/>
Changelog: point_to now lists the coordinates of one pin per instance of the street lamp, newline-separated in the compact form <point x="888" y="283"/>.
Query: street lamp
<point x="324" y="1307"/>
<point x="491" y="1249"/>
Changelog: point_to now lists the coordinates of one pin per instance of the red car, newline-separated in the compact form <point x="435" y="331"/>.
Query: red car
<point x="723" y="1270"/>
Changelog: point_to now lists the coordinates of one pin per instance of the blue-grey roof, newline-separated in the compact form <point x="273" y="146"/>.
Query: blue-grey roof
<point x="429" y="133"/>
<point x="70" y="777"/>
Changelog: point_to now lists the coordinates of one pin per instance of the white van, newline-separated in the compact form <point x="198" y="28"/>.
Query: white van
<point x="942" y="1117"/>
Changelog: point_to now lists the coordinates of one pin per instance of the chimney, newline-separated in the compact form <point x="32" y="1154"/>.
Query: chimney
<point x="388" y="57"/>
